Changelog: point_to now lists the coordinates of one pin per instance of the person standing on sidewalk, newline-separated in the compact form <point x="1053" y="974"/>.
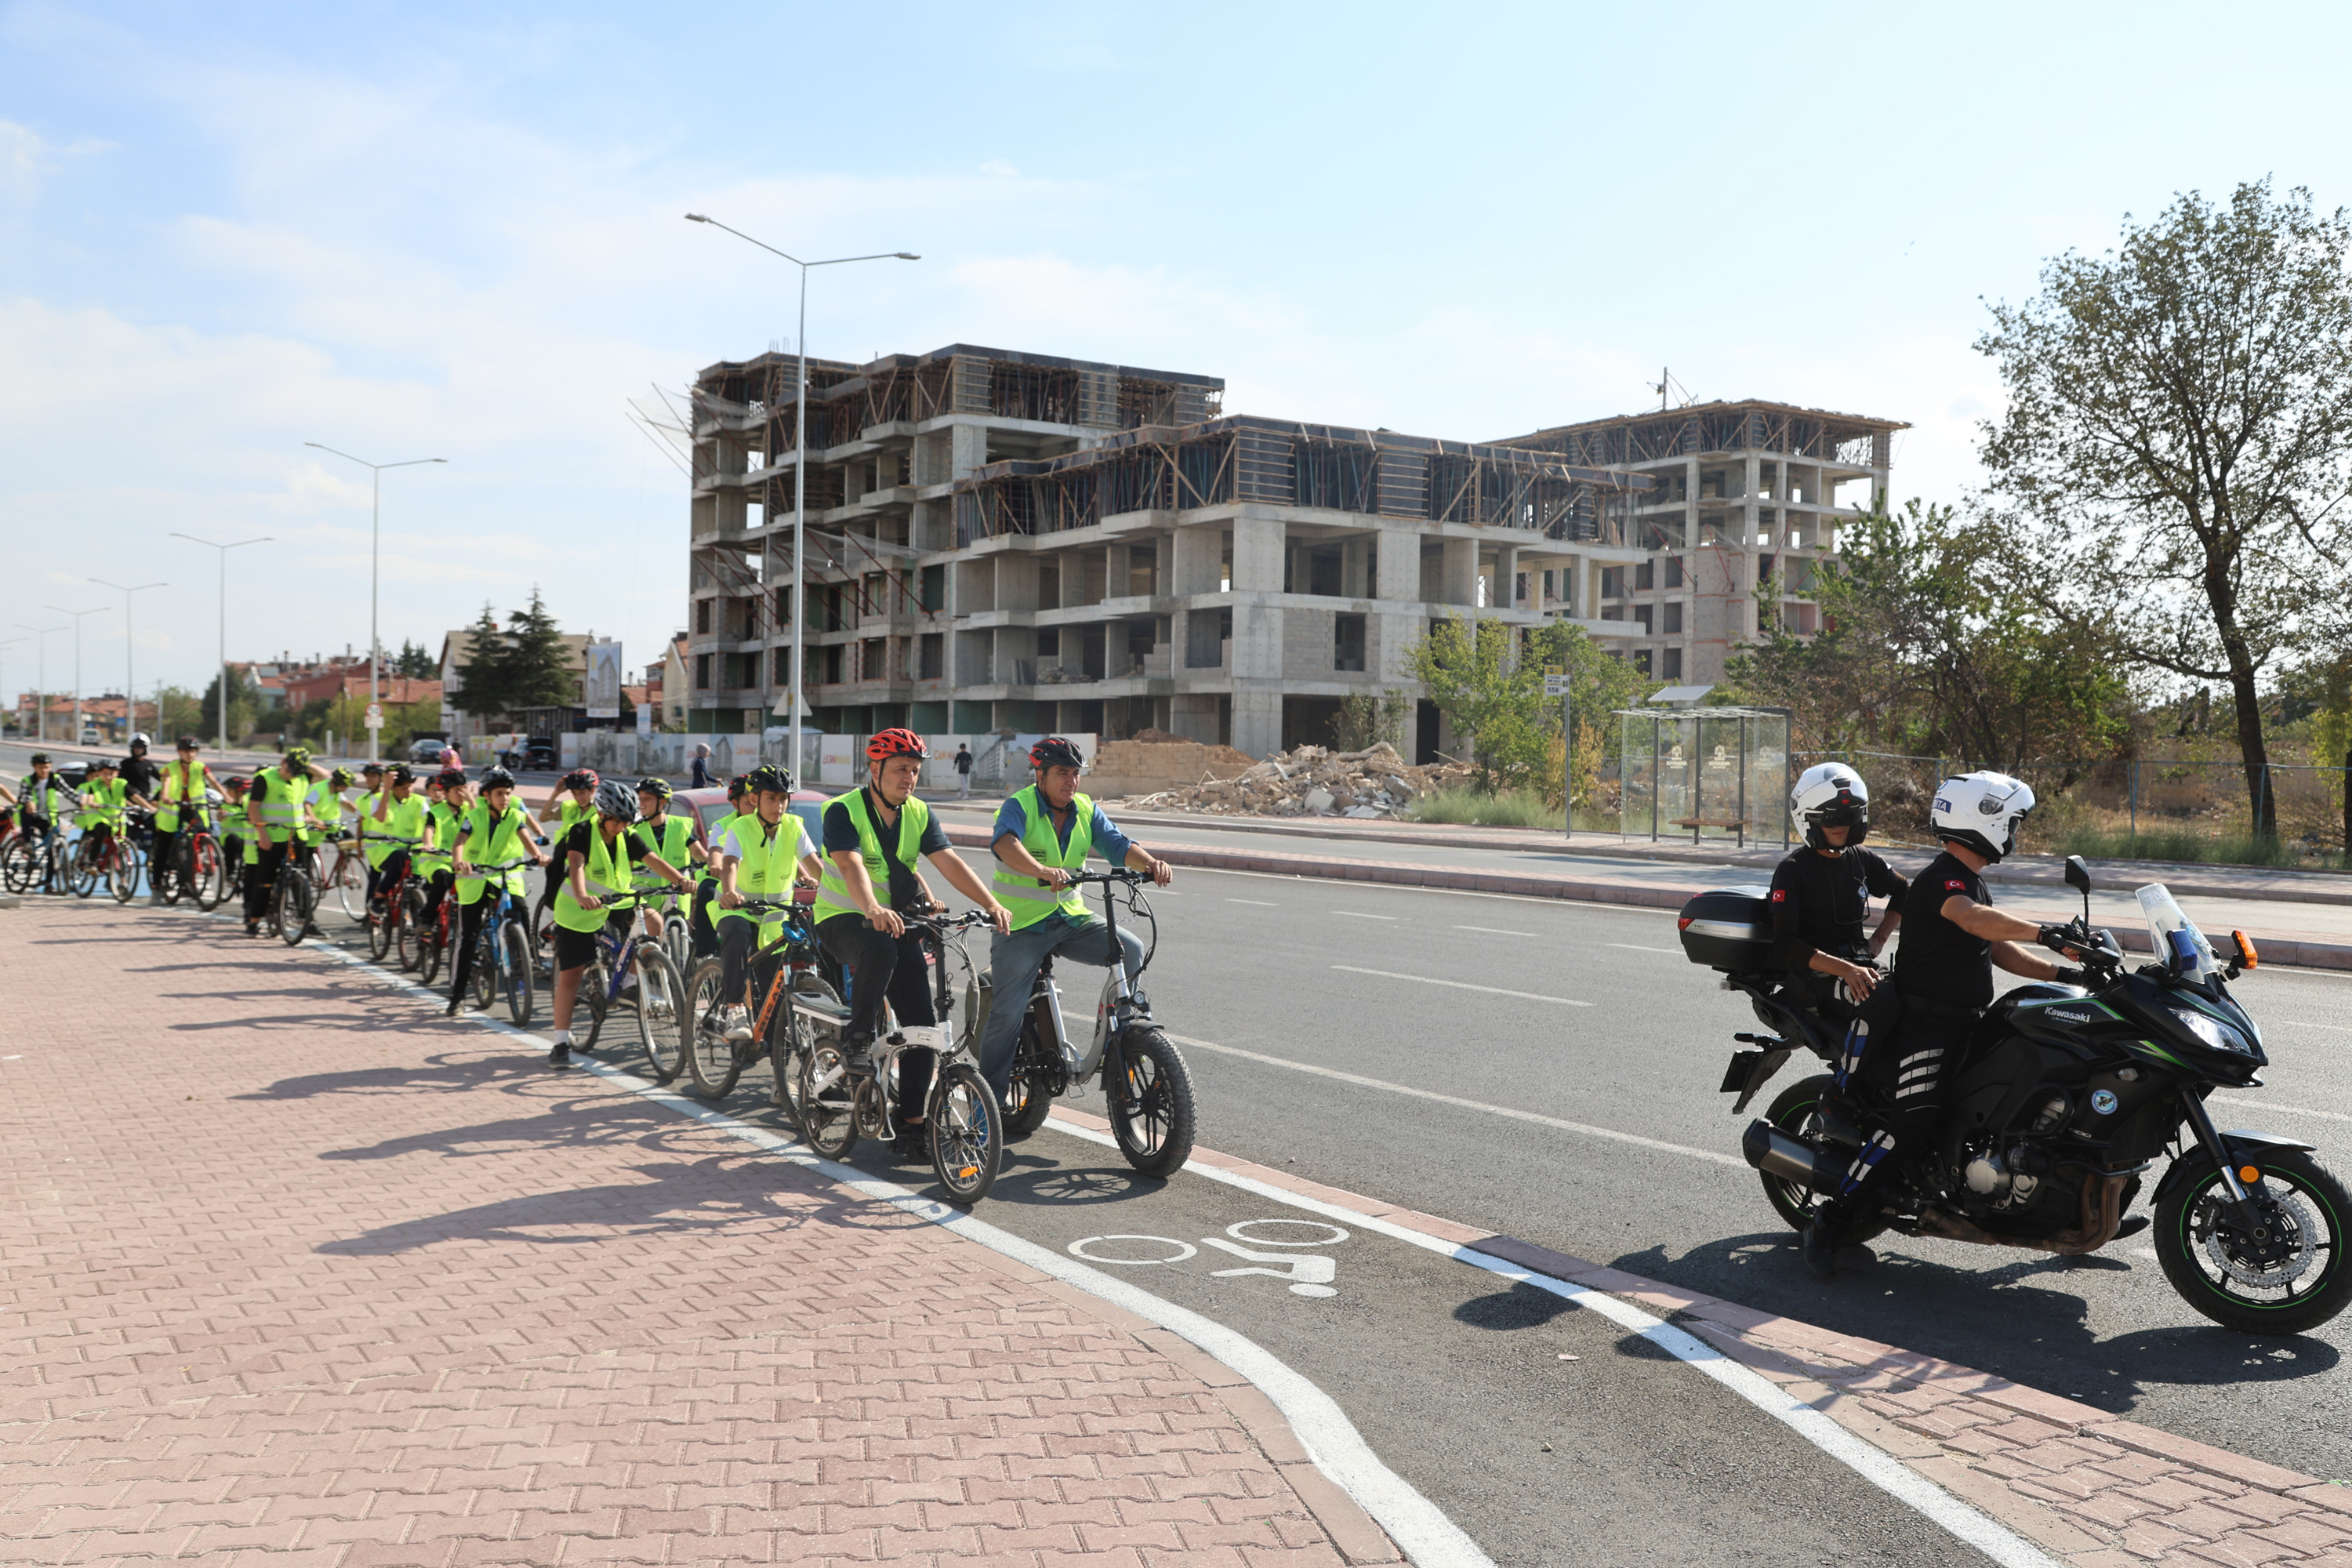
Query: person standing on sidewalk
<point x="701" y="773"/>
<point x="963" y="770"/>
<point x="1042" y="834"/>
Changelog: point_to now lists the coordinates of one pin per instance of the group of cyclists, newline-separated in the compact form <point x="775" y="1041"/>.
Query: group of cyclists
<point x="602" y="843"/>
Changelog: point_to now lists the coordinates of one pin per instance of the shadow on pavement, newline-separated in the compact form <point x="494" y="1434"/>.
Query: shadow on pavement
<point x="1520" y="1306"/>
<point x="1030" y="1180"/>
<point x="434" y="1072"/>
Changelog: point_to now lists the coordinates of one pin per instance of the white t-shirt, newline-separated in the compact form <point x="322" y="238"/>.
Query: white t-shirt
<point x="731" y="845"/>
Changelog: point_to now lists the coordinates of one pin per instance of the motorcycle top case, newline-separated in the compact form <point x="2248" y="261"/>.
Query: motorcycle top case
<point x="1729" y="929"/>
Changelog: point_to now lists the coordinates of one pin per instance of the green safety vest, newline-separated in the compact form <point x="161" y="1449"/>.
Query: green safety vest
<point x="183" y="785"/>
<point x="669" y="840"/>
<point x="444" y="819"/>
<point x="764" y="869"/>
<point x="1028" y="899"/>
<point x="608" y="877"/>
<point x="489" y="843"/>
<point x="403" y="826"/>
<point x="832" y="897"/>
<point x="109" y="810"/>
<point x="51" y="798"/>
<point x="281" y="808"/>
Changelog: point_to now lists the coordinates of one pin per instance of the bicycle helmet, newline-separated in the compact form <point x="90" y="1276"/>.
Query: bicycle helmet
<point x="372" y="770"/>
<point x="497" y="778"/>
<point x="617" y="801"/>
<point x="1831" y="794"/>
<point x="896" y="744"/>
<point x="188" y="743"/>
<point x="40" y="759"/>
<point x="450" y="778"/>
<point x="340" y="779"/>
<point x="737" y="785"/>
<point x="1056" y="752"/>
<point x="400" y="773"/>
<point x="299" y="756"/>
<point x="104" y="766"/>
<point x="579" y="778"/>
<point x="1983" y="812"/>
<point x="655" y="786"/>
<point x="767" y="779"/>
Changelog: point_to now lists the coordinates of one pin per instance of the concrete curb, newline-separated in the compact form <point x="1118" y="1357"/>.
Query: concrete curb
<point x="2090" y="1488"/>
<point x="2283" y="948"/>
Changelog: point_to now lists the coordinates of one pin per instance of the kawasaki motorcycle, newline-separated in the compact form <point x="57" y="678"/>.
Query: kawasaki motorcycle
<point x="2067" y="1100"/>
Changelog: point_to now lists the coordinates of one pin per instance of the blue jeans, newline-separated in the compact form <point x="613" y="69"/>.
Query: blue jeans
<point x="1012" y="963"/>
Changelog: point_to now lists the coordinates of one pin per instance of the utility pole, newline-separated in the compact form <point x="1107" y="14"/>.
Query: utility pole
<point x="77" y="616"/>
<point x="223" y="687"/>
<point x="376" y="518"/>
<point x="41" y="676"/>
<point x="130" y="659"/>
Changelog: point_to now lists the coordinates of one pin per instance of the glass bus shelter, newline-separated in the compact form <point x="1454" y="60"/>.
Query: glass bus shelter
<point x="1712" y="773"/>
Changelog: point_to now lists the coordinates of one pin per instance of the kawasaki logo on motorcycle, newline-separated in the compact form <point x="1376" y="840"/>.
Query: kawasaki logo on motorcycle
<point x="2074" y="1017"/>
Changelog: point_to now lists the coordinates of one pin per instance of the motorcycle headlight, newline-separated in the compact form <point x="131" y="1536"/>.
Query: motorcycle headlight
<point x="2212" y="1031"/>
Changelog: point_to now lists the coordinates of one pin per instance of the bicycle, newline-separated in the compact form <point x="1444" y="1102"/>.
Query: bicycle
<point x="790" y="960"/>
<point x="660" y="992"/>
<point x="347" y="874"/>
<point x="1146" y="1085"/>
<point x="383" y="914"/>
<point x="502" y="951"/>
<point x="294" y="898"/>
<point x="196" y="864"/>
<point x="424" y="938"/>
<point x="103" y="854"/>
<point x="837" y="1105"/>
<point x="35" y="857"/>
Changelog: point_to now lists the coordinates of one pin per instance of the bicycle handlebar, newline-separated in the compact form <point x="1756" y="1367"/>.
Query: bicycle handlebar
<point x="1117" y="874"/>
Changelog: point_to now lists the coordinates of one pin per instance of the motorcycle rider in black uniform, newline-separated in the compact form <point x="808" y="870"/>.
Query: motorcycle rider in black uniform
<point x="1820" y="901"/>
<point x="1952" y="938"/>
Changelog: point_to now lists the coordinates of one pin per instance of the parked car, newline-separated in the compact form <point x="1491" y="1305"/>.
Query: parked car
<point x="426" y="748"/>
<point x="538" y="753"/>
<point x="709" y="806"/>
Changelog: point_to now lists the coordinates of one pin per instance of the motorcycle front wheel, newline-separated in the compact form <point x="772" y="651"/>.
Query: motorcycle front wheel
<point x="2288" y="1274"/>
<point x="1150" y="1101"/>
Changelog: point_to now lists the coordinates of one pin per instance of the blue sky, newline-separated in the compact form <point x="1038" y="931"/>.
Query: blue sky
<point x="429" y="230"/>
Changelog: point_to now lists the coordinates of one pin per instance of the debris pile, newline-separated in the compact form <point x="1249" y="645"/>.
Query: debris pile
<point x="1315" y="780"/>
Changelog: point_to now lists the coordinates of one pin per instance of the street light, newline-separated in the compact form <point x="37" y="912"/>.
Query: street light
<point x="375" y="513"/>
<point x="223" y="687"/>
<point x="41" y="674"/>
<point x="800" y="452"/>
<point x="130" y="659"/>
<point x="77" y="616"/>
<point x="7" y="643"/>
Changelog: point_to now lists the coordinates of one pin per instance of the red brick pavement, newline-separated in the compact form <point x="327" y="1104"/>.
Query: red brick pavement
<point x="296" y="1272"/>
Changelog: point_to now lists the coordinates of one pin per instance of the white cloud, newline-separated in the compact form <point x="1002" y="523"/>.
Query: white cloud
<point x="22" y="160"/>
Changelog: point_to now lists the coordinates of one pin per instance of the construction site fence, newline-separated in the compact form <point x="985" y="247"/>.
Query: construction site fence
<point x="1000" y="762"/>
<point x="2143" y="808"/>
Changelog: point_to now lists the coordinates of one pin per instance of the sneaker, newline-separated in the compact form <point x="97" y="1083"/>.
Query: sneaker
<point x="253" y="928"/>
<point x="451" y="1011"/>
<point x="739" y="1025"/>
<point x="561" y="1056"/>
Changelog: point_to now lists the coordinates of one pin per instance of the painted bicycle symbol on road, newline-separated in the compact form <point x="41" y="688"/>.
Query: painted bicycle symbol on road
<point x="1307" y="1273"/>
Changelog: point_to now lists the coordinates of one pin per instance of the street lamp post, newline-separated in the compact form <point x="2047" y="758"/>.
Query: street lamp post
<point x="41" y="674"/>
<point x="223" y="687"/>
<point x="77" y="616"/>
<point x="131" y="658"/>
<point x="6" y="643"/>
<point x="376" y="515"/>
<point x="799" y="458"/>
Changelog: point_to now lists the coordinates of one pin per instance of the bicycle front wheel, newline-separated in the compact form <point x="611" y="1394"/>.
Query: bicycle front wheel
<point x="350" y="886"/>
<point x="711" y="1062"/>
<point x="296" y="899"/>
<point x="827" y="1100"/>
<point x="84" y="874"/>
<point x="19" y="864"/>
<point x="1150" y="1103"/>
<point x="661" y="1013"/>
<point x="208" y="877"/>
<point x="122" y="873"/>
<point x="967" y="1135"/>
<point x="409" y="933"/>
<point x="514" y="972"/>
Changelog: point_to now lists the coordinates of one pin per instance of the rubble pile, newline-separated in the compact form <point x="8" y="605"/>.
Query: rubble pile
<point x="1315" y="780"/>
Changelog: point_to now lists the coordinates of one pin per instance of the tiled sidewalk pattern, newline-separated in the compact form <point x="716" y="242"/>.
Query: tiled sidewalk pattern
<point x="293" y="1272"/>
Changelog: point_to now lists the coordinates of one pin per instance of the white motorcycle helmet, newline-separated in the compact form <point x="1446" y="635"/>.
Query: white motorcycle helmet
<point x="1982" y="811"/>
<point x="1831" y="794"/>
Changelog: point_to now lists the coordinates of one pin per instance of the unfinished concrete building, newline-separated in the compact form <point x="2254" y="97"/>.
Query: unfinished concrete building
<point x="1002" y="541"/>
<point x="1746" y="506"/>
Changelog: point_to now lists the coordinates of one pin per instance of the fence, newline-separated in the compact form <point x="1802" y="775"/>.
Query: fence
<point x="1001" y="762"/>
<point x="2152" y="808"/>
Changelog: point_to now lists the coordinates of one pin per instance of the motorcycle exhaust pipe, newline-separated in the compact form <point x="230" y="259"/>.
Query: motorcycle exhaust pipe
<point x="1775" y="1154"/>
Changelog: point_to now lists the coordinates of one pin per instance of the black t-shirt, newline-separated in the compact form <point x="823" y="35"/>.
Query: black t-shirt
<point x="1937" y="960"/>
<point x="140" y="774"/>
<point x="1818" y="901"/>
<point x="841" y="833"/>
<point x="577" y="838"/>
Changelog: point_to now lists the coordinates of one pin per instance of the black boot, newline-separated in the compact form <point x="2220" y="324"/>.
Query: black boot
<point x="1820" y="1242"/>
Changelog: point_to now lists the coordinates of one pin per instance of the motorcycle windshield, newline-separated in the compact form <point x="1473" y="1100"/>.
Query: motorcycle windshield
<point x="2178" y="945"/>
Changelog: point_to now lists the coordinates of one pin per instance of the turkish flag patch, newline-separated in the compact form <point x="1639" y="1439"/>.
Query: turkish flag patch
<point x="1955" y="885"/>
<point x="1779" y="895"/>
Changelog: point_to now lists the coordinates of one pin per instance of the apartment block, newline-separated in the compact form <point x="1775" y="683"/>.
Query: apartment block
<point x="1007" y="541"/>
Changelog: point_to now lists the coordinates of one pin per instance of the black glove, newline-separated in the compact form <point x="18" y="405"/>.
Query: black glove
<point x="2057" y="937"/>
<point x="2067" y="975"/>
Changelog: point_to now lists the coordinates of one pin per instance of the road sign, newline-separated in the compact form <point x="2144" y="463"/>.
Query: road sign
<point x="374" y="719"/>
<point x="1555" y="685"/>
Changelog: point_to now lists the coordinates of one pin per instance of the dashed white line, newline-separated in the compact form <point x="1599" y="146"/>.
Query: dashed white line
<point x="1260" y="903"/>
<point x="2283" y="1109"/>
<point x="1636" y="947"/>
<point x="1462" y="986"/>
<point x="2310" y="1023"/>
<point x="1355" y="915"/>
<point x="1492" y="930"/>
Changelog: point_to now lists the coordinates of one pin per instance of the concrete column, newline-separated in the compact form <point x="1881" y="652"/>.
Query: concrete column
<point x="1458" y="579"/>
<point x="1355" y="580"/>
<point x="1196" y="556"/>
<point x="1258" y="544"/>
<point x="1399" y="576"/>
<point x="1257" y="721"/>
<point x="1506" y="579"/>
<point x="967" y="449"/>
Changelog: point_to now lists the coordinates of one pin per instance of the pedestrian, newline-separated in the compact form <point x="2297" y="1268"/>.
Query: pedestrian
<point x="701" y="767"/>
<point x="963" y="770"/>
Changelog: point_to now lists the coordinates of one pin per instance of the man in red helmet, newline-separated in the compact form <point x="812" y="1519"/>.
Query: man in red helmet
<point x="873" y="837"/>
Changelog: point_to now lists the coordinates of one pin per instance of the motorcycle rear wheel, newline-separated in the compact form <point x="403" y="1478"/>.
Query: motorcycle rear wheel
<point x="2200" y="1258"/>
<point x="1796" y="1113"/>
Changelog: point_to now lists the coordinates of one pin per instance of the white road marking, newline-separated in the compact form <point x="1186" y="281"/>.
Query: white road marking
<point x="1632" y="947"/>
<point x="2284" y="1110"/>
<point x="1361" y="1082"/>
<point x="1883" y="1471"/>
<point x="2305" y="1024"/>
<point x="1354" y="915"/>
<point x="1417" y="1525"/>
<point x="1491" y="931"/>
<point x="1461" y="986"/>
<point x="1261" y="903"/>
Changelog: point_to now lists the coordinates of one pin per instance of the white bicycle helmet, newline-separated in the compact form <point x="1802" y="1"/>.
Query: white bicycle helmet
<point x="1982" y="811"/>
<point x="617" y="801"/>
<point x="1831" y="794"/>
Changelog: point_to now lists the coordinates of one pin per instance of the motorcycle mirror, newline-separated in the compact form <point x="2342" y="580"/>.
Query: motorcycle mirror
<point x="2078" y="877"/>
<point x="2247" y="957"/>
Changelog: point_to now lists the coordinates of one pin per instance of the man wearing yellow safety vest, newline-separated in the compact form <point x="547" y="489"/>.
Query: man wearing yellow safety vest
<point x="872" y="838"/>
<point x="1042" y="834"/>
<point x="275" y="809"/>
<point x="597" y="859"/>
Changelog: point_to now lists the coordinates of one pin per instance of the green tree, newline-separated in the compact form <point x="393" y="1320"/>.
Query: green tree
<point x="482" y="686"/>
<point x="1487" y="679"/>
<point x="1929" y="648"/>
<point x="181" y="713"/>
<point x="2174" y="456"/>
<point x="536" y="668"/>
<point x="415" y="662"/>
<point x="244" y="704"/>
<point x="1365" y="719"/>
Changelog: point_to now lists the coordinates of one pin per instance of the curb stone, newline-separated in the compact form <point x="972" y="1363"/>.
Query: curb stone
<point x="2090" y="1488"/>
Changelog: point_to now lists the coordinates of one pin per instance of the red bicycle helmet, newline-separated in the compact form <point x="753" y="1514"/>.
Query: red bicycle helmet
<point x="896" y="744"/>
<point x="1056" y="752"/>
<point x="579" y="778"/>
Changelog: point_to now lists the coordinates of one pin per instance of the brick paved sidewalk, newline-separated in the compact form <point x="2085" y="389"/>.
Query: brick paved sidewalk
<point x="291" y="1271"/>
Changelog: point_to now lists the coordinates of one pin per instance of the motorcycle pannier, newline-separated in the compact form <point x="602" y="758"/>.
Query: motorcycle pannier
<point x="1729" y="929"/>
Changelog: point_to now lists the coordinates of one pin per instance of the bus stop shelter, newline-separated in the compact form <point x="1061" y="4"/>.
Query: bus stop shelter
<point x="1711" y="773"/>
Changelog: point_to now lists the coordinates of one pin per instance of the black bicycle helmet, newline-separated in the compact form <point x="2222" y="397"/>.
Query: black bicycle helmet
<point x="655" y="786"/>
<point x="450" y="778"/>
<point x="767" y="779"/>
<point x="1056" y="752"/>
<point x="497" y="778"/>
<point x="737" y="785"/>
<point x="617" y="801"/>
<point x="372" y="770"/>
<point x="41" y="759"/>
<point x="400" y="773"/>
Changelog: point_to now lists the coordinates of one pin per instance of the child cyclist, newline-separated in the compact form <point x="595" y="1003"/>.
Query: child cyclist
<point x="706" y="934"/>
<point x="761" y="854"/>
<point x="492" y="831"/>
<point x="677" y="839"/>
<point x="597" y="860"/>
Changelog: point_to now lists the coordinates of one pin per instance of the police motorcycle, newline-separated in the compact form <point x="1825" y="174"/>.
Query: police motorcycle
<point x="2066" y="1101"/>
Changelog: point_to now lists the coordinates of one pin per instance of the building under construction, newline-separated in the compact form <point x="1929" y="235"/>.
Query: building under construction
<point x="1002" y="540"/>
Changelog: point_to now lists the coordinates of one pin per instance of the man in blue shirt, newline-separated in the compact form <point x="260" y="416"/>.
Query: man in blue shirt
<point x="1042" y="834"/>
